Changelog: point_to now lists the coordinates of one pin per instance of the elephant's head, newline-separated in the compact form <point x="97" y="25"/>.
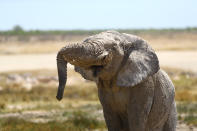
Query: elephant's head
<point x="123" y="58"/>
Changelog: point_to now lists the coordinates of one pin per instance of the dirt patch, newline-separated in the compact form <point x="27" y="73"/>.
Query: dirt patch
<point x="176" y="59"/>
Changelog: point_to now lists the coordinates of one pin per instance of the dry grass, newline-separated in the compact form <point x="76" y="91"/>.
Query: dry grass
<point x="186" y="88"/>
<point x="29" y="48"/>
<point x="72" y="112"/>
<point x="78" y="121"/>
<point x="179" y="41"/>
<point x="186" y="94"/>
<point x="185" y="84"/>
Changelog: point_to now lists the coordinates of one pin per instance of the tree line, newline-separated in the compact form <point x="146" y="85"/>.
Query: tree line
<point x="18" y="30"/>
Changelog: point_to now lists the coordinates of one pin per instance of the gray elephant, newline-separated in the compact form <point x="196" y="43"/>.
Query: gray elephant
<point x="136" y="95"/>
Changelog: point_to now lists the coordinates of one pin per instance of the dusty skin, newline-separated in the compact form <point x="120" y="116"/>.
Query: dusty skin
<point x="176" y="59"/>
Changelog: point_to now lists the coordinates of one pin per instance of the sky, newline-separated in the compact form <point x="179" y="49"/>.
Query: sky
<point x="97" y="14"/>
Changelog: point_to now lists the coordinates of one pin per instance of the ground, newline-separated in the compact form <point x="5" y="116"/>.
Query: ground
<point x="80" y="97"/>
<point x="28" y="86"/>
<point x="178" y="59"/>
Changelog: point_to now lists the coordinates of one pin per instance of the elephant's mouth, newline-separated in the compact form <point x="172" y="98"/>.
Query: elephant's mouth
<point x="96" y="69"/>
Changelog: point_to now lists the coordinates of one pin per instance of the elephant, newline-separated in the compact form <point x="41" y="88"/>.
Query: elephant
<point x="135" y="94"/>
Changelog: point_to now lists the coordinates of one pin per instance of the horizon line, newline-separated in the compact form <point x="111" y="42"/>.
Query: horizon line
<point x="100" y="29"/>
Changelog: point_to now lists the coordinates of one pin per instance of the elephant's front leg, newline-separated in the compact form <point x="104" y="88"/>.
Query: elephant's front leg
<point x="140" y="103"/>
<point x="112" y="120"/>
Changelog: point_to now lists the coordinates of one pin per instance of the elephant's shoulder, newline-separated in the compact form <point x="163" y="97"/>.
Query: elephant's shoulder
<point x="164" y="85"/>
<point x="163" y="99"/>
<point x="162" y="77"/>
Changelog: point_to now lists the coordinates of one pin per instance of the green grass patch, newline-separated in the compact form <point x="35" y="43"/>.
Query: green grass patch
<point x="185" y="82"/>
<point x="78" y="121"/>
<point x="187" y="112"/>
<point x="191" y="120"/>
<point x="187" y="108"/>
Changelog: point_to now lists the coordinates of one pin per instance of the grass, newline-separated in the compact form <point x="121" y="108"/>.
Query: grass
<point x="70" y="114"/>
<point x="187" y="112"/>
<point x="37" y="109"/>
<point x="186" y="95"/>
<point x="80" y="121"/>
<point x="80" y="109"/>
<point x="167" y="41"/>
<point x="185" y="107"/>
<point x="191" y="120"/>
<point x="30" y="47"/>
<point x="44" y="98"/>
<point x="186" y="88"/>
<point x="185" y="84"/>
<point x="17" y="30"/>
<point x="42" y="93"/>
<point x="77" y="102"/>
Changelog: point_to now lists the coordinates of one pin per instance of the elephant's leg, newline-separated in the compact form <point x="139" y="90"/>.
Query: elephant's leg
<point x="112" y="120"/>
<point x="170" y="124"/>
<point x="139" y="107"/>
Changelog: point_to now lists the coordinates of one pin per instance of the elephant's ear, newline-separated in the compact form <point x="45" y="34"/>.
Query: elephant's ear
<point x="86" y="74"/>
<point x="140" y="62"/>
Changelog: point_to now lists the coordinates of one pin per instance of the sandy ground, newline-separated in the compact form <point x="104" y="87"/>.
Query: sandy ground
<point x="186" y="60"/>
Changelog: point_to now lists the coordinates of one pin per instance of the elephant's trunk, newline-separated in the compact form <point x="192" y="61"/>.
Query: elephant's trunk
<point x="82" y="55"/>
<point x="62" y="75"/>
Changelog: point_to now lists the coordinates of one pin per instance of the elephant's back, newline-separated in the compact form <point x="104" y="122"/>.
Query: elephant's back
<point x="163" y="100"/>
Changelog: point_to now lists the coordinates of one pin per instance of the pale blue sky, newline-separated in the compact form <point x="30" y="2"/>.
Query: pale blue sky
<point x="97" y="14"/>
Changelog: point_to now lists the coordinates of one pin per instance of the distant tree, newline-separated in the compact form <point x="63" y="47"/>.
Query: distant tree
<point x="17" y="28"/>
